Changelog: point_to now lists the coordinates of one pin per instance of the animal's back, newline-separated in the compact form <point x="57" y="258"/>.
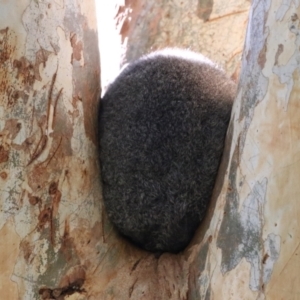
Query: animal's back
<point x="163" y="123"/>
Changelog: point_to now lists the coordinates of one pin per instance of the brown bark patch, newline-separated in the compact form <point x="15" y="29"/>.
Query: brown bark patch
<point x="3" y="175"/>
<point x="33" y="200"/>
<point x="4" y="154"/>
<point x="44" y="217"/>
<point x="77" y="48"/>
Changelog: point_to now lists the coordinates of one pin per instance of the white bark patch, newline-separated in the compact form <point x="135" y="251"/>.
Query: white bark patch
<point x="284" y="7"/>
<point x="285" y="72"/>
<point x="253" y="79"/>
<point x="41" y="19"/>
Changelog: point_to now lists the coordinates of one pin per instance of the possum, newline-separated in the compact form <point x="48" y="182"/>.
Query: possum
<point x="162" y="125"/>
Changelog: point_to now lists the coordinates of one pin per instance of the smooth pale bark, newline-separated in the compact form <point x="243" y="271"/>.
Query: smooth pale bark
<point x="49" y="181"/>
<point x="256" y="228"/>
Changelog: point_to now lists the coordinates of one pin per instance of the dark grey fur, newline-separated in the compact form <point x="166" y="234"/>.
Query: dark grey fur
<point x="163" y="123"/>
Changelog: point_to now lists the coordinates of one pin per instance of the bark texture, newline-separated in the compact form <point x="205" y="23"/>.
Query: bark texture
<point x="56" y="241"/>
<point x="49" y="205"/>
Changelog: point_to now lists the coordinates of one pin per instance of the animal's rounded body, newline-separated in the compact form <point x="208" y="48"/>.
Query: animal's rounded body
<point x="162" y="126"/>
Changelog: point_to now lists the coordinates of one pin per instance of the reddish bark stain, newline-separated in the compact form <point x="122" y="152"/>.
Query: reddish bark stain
<point x="55" y="203"/>
<point x="4" y="54"/>
<point x="12" y="127"/>
<point x="125" y="27"/>
<point x="262" y="58"/>
<point x="25" y="71"/>
<point x="210" y="239"/>
<point x="13" y="96"/>
<point x="45" y="293"/>
<point x="56" y="197"/>
<point x="77" y="48"/>
<point x="67" y="242"/>
<point x="3" y="175"/>
<point x="37" y="177"/>
<point x="26" y="250"/>
<point x="44" y="217"/>
<point x="4" y="154"/>
<point x="41" y="58"/>
<point x="53" y="188"/>
<point x="7" y="46"/>
<point x="33" y="200"/>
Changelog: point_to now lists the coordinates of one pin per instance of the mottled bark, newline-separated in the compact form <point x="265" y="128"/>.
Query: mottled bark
<point x="55" y="237"/>
<point x="50" y="191"/>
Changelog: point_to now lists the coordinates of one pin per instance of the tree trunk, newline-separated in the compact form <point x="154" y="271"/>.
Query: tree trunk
<point x="55" y="237"/>
<point x="50" y="191"/>
<point x="128" y="31"/>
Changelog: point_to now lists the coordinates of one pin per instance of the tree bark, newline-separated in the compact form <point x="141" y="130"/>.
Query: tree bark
<point x="131" y="29"/>
<point x="50" y="191"/>
<point x="56" y="241"/>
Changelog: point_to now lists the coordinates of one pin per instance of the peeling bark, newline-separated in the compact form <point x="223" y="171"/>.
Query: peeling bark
<point x="47" y="145"/>
<point x="56" y="240"/>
